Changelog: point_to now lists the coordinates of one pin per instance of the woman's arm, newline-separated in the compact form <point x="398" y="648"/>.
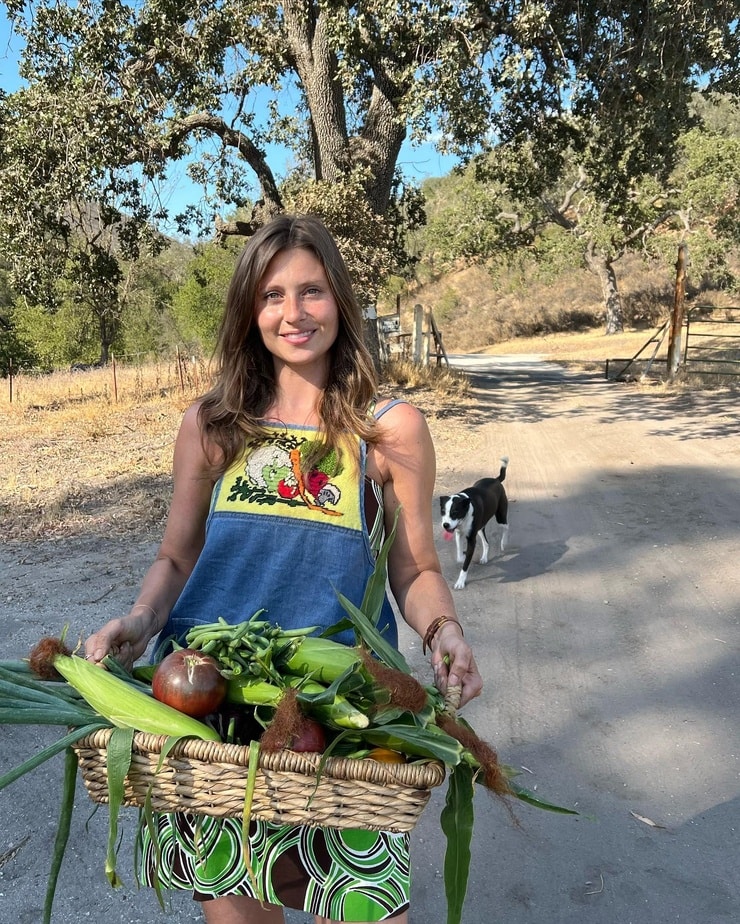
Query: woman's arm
<point x="128" y="636"/>
<point x="406" y="465"/>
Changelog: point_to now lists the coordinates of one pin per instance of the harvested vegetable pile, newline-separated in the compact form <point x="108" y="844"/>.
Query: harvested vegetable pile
<point x="254" y="685"/>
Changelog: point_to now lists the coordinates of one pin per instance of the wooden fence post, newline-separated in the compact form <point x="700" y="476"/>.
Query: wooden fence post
<point x="674" y="343"/>
<point x="115" y="379"/>
<point x="179" y="369"/>
<point x="425" y="337"/>
<point x="416" y="349"/>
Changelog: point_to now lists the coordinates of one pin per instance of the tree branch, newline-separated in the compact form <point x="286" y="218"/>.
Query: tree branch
<point x="215" y="125"/>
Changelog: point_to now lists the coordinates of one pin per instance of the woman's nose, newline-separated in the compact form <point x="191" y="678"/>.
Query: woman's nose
<point x="293" y="307"/>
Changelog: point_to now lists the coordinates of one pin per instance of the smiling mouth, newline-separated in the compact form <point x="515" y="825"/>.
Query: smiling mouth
<point x="298" y="335"/>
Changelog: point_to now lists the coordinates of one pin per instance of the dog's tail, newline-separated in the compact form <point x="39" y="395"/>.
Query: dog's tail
<point x="502" y="472"/>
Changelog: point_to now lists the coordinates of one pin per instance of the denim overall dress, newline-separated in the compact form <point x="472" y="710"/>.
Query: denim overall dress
<point x="285" y="540"/>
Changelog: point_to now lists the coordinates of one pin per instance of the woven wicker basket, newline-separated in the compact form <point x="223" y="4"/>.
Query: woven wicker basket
<point x="208" y="778"/>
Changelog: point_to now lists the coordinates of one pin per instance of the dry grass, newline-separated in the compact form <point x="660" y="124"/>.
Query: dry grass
<point x="474" y="312"/>
<point x="446" y="382"/>
<point x="73" y="458"/>
<point x="586" y="348"/>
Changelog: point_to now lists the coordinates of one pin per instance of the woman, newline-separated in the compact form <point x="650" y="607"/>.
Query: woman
<point x="287" y="474"/>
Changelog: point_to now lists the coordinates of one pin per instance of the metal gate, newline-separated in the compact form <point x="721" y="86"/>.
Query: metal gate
<point x="711" y="346"/>
<point x="712" y="341"/>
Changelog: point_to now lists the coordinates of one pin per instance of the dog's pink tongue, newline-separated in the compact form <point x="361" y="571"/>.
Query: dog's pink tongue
<point x="448" y="535"/>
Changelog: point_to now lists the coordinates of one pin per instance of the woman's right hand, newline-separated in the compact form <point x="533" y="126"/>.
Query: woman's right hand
<point x="125" y="638"/>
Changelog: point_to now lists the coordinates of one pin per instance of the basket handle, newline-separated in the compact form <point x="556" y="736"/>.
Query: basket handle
<point x="452" y="700"/>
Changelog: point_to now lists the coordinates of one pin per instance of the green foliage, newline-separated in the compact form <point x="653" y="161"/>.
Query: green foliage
<point x="541" y="233"/>
<point x="14" y="353"/>
<point x="147" y="328"/>
<point x="701" y="206"/>
<point x="57" y="339"/>
<point x="463" y="222"/>
<point x="555" y="252"/>
<point x="368" y="241"/>
<point x="197" y="305"/>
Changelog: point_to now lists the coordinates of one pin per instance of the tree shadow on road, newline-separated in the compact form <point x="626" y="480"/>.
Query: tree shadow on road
<point x="527" y="395"/>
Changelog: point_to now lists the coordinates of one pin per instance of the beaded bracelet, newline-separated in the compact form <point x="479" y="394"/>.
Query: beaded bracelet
<point x="434" y="628"/>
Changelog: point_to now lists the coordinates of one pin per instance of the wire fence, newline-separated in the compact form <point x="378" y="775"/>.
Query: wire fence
<point x="125" y="378"/>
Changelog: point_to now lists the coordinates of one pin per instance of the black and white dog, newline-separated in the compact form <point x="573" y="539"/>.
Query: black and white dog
<point x="467" y="513"/>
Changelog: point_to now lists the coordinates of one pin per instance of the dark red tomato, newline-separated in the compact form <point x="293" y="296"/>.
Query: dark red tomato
<point x="189" y="681"/>
<point x="310" y="738"/>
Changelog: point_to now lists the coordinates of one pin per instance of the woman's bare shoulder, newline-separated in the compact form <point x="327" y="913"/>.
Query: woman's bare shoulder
<point x="402" y="429"/>
<point x="398" y="412"/>
<point x="192" y="439"/>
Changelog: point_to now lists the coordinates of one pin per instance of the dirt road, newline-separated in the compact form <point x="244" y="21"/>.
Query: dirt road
<point x="607" y="634"/>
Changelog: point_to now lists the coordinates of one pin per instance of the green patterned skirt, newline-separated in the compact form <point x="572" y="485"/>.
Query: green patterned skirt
<point x="344" y="875"/>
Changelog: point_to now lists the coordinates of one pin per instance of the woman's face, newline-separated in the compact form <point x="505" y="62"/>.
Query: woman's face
<point x="296" y="312"/>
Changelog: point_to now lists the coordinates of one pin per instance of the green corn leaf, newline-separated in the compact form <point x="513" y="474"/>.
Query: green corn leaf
<point x="372" y="638"/>
<point x="115" y="667"/>
<point x="144" y="672"/>
<point x="119" y="760"/>
<point x="457" y="824"/>
<point x="254" y="756"/>
<point x="365" y="619"/>
<point x="48" y="752"/>
<point x="62" y="836"/>
<point x="350" y="681"/>
<point x="526" y="795"/>
<point x="389" y="715"/>
<point x="374" y="596"/>
<point x="429" y="742"/>
<point x="341" y="626"/>
<point x="386" y="714"/>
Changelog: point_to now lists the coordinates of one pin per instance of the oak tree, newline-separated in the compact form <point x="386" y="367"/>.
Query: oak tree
<point x="220" y="83"/>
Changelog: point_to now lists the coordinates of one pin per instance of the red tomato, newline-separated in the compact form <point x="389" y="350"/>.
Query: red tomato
<point x="189" y="681"/>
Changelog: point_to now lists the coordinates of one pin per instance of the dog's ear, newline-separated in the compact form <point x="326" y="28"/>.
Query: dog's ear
<point x="442" y="501"/>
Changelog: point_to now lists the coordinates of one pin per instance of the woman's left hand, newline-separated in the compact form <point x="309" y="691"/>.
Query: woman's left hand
<point x="453" y="664"/>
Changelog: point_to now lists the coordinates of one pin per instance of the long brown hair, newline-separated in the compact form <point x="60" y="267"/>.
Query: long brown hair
<point x="230" y="414"/>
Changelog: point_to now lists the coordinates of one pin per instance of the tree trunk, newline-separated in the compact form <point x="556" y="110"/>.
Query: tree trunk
<point x="105" y="343"/>
<point x="372" y="340"/>
<point x="603" y="268"/>
<point x="378" y="142"/>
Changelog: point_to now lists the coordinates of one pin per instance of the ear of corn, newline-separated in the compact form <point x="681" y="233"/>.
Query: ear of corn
<point x="249" y="691"/>
<point x="338" y="712"/>
<point x="125" y="706"/>
<point x="321" y="659"/>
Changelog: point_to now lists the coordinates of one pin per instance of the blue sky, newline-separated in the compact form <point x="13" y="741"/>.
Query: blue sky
<point x="416" y="163"/>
